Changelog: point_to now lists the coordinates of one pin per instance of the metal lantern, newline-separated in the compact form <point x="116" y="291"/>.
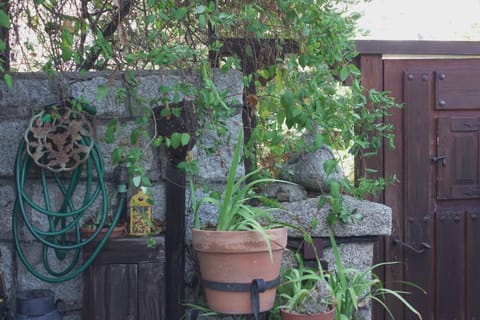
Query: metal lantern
<point x="140" y="214"/>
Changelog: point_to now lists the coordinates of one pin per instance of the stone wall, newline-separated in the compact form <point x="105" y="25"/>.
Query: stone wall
<point x="33" y="91"/>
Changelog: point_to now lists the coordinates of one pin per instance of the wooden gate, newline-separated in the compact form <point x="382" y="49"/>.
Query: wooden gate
<point x="436" y="205"/>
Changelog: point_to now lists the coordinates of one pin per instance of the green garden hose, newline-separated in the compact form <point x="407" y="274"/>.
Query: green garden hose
<point x="54" y="223"/>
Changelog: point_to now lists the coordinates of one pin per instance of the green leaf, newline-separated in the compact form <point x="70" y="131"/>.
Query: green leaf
<point x="175" y="140"/>
<point x="117" y="155"/>
<point x="180" y="13"/>
<point x="334" y="188"/>
<point x="110" y="131"/>
<point x="102" y="91"/>
<point x="344" y="73"/>
<point x="200" y="9"/>
<point x="329" y="166"/>
<point x="136" y="181"/>
<point x="135" y="135"/>
<point x="4" y="19"/>
<point x="287" y="99"/>
<point x="185" y="139"/>
<point x="8" y="80"/>
<point x="202" y="21"/>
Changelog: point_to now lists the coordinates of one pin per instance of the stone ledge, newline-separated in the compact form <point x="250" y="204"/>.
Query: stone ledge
<point x="376" y="218"/>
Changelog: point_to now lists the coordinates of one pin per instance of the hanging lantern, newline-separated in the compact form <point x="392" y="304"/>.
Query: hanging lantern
<point x="140" y="214"/>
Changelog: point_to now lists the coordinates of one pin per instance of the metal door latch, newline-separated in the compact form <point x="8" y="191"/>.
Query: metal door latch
<point x="443" y="159"/>
<point x="412" y="248"/>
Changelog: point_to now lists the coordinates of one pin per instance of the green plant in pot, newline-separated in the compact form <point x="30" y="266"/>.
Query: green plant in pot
<point x="303" y="294"/>
<point x="240" y="257"/>
<point x="351" y="287"/>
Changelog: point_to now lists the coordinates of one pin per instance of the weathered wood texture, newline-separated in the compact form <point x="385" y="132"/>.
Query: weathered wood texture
<point x="126" y="281"/>
<point x="414" y="47"/>
<point x="436" y="230"/>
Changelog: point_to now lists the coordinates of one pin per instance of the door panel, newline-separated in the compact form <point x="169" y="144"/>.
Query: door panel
<point x="457" y="89"/>
<point x="436" y="205"/>
<point x="417" y="86"/>
<point x="457" y="158"/>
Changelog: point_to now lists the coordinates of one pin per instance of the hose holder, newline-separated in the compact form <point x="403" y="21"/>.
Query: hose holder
<point x="256" y="287"/>
<point x="59" y="138"/>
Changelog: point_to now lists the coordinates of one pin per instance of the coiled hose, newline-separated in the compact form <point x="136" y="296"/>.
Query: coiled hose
<point x="58" y="229"/>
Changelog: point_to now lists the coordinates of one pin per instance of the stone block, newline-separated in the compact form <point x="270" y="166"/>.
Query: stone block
<point x="30" y="92"/>
<point x="7" y="266"/>
<point x="7" y="201"/>
<point x="111" y="105"/>
<point x="148" y="161"/>
<point x="376" y="218"/>
<point x="12" y="132"/>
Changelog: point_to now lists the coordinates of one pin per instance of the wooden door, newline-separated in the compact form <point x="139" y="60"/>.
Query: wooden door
<point x="436" y="205"/>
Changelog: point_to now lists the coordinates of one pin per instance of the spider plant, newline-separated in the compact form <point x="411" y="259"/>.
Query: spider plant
<point x="234" y="211"/>
<point x="303" y="290"/>
<point x="350" y="287"/>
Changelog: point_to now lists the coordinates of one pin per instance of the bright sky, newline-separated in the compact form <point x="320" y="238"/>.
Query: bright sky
<point x="421" y="19"/>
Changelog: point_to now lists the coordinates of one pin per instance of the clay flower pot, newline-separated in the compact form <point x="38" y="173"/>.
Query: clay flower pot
<point x="118" y="231"/>
<point x="234" y="259"/>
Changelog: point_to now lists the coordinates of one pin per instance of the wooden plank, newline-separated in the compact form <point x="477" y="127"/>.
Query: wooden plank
<point x="458" y="140"/>
<point x="175" y="241"/>
<point x="371" y="67"/>
<point x="473" y="263"/>
<point x="450" y="265"/>
<point x="138" y="251"/>
<point x="394" y="193"/>
<point x="121" y="291"/>
<point x="151" y="296"/>
<point x="122" y="281"/>
<point x="457" y="89"/>
<point x="414" y="47"/>
<point x="418" y="183"/>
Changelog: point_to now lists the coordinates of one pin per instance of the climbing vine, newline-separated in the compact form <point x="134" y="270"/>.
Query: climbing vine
<point x="297" y="57"/>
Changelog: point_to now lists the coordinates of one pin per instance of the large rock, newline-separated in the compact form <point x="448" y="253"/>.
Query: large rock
<point x="376" y="218"/>
<point x="307" y="169"/>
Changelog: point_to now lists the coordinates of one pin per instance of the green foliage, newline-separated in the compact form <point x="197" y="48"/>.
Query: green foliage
<point x="234" y="212"/>
<point x="350" y="287"/>
<point x="299" y="90"/>
<point x="301" y="289"/>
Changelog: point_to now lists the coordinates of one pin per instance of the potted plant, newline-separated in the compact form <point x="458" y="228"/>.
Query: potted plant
<point x="304" y="294"/>
<point x="240" y="256"/>
<point x="93" y="224"/>
<point x="351" y="288"/>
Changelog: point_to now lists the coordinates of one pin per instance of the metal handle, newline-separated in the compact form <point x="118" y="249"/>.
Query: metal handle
<point x="412" y="248"/>
<point x="443" y="159"/>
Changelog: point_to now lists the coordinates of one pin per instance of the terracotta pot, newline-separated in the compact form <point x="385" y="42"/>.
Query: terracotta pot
<point x="117" y="232"/>
<point x="329" y="315"/>
<point x="238" y="257"/>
